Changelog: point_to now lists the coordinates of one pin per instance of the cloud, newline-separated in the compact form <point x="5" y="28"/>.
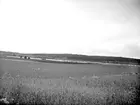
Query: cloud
<point x="102" y="52"/>
<point x="78" y="26"/>
<point x="132" y="50"/>
<point x="119" y="10"/>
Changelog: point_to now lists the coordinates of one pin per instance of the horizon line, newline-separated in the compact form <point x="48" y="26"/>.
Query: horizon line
<point x="76" y="54"/>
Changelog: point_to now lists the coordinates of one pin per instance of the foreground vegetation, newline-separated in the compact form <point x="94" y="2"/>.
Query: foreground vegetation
<point x="106" y="90"/>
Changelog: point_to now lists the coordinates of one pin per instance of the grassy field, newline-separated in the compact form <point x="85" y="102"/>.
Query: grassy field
<point x="28" y="82"/>
<point x="54" y="70"/>
<point x="105" y="90"/>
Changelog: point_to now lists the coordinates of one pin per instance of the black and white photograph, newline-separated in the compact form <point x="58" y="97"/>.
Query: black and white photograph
<point x="69" y="52"/>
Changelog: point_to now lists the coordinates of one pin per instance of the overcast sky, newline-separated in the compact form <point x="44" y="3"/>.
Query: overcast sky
<point x="91" y="27"/>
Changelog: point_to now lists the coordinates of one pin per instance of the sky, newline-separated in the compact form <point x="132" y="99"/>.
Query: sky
<point x="90" y="27"/>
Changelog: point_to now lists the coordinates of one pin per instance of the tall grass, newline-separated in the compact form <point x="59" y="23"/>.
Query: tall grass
<point x="89" y="91"/>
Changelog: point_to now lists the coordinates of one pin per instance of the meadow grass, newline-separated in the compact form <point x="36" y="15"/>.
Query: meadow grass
<point x="106" y="90"/>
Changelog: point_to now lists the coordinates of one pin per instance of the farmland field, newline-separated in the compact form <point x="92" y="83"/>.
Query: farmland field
<point x="54" y="70"/>
<point x="27" y="81"/>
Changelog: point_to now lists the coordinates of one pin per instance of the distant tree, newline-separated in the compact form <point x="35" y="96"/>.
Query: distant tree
<point x="26" y="57"/>
<point x="21" y="57"/>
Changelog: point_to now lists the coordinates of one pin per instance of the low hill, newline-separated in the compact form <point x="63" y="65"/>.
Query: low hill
<point x="76" y="57"/>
